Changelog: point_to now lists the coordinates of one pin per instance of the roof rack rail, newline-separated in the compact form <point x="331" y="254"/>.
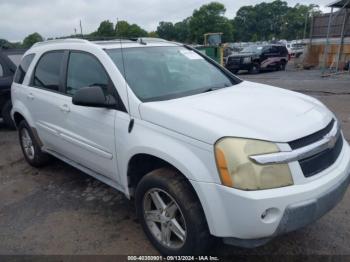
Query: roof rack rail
<point x="65" y="40"/>
<point x="101" y="40"/>
<point x="113" y="41"/>
<point x="151" y="39"/>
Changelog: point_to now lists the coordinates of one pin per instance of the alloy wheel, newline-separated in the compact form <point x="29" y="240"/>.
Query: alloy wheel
<point x="27" y="144"/>
<point x="164" y="218"/>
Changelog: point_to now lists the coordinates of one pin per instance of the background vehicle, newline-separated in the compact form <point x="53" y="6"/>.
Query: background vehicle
<point x="202" y="152"/>
<point x="9" y="60"/>
<point x="295" y="49"/>
<point x="255" y="58"/>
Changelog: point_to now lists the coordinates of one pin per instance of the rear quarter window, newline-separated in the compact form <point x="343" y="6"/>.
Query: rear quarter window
<point x="23" y="68"/>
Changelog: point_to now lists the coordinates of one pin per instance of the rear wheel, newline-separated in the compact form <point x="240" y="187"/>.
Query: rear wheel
<point x="171" y="214"/>
<point x="6" y="115"/>
<point x="30" y="147"/>
<point x="283" y="65"/>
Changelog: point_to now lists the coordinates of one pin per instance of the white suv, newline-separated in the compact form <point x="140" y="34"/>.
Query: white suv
<point x="202" y="152"/>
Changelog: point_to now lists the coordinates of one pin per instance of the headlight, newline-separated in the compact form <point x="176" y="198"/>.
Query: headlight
<point x="237" y="170"/>
<point x="247" y="60"/>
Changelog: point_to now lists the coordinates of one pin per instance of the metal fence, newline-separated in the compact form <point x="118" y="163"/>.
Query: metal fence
<point x="319" y="25"/>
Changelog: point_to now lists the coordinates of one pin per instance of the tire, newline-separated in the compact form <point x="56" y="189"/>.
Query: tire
<point x="173" y="188"/>
<point x="283" y="65"/>
<point x="30" y="147"/>
<point x="254" y="69"/>
<point x="6" y="115"/>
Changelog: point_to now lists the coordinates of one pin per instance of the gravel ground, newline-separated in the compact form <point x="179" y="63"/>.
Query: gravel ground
<point x="60" y="210"/>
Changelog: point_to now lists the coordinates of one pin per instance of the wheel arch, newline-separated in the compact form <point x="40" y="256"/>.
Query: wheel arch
<point x="18" y="118"/>
<point x="19" y="113"/>
<point x="155" y="162"/>
<point x="141" y="164"/>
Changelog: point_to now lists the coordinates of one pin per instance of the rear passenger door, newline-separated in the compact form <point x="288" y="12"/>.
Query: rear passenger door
<point x="44" y="98"/>
<point x="89" y="137"/>
<point x="270" y="56"/>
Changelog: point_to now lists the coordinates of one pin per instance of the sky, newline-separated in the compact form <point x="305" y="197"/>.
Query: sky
<point x="53" y="18"/>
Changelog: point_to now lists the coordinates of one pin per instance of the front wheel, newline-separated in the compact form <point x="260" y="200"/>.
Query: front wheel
<point x="254" y="69"/>
<point x="171" y="214"/>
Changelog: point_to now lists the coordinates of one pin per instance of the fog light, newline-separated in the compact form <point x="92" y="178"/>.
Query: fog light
<point x="270" y="215"/>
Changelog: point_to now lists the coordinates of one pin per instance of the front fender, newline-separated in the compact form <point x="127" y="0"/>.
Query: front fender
<point x="193" y="158"/>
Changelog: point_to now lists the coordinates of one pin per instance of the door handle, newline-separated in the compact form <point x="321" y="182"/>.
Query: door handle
<point x="30" y="96"/>
<point x="65" y="108"/>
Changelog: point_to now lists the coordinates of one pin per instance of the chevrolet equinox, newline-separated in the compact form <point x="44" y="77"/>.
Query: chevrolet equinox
<point x="203" y="153"/>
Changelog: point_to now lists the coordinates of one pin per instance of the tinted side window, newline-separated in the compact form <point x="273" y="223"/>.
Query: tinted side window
<point x="1" y="71"/>
<point x="266" y="50"/>
<point x="47" y="72"/>
<point x="274" y="50"/>
<point x="22" y="68"/>
<point x="84" y="70"/>
<point x="284" y="50"/>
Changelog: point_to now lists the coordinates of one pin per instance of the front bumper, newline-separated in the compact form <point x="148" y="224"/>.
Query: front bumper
<point x="239" y="66"/>
<point x="252" y="218"/>
<point x="300" y="215"/>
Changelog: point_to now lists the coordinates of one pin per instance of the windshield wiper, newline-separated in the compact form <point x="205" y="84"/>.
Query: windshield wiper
<point x="214" y="88"/>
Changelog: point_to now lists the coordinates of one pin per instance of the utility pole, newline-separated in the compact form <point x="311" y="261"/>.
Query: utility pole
<point x="81" y="28"/>
<point x="305" y="26"/>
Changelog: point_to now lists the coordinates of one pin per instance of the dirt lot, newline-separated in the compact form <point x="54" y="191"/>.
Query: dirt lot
<point x="59" y="210"/>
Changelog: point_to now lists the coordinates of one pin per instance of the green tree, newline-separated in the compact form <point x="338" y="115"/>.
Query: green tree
<point x="261" y="21"/>
<point x="136" y="31"/>
<point x="5" y="44"/>
<point x="166" y="30"/>
<point x="124" y="29"/>
<point x="275" y="19"/>
<point x="182" y="31"/>
<point x="153" y="34"/>
<point x="32" y="39"/>
<point x="210" y="19"/>
<point x="294" y="26"/>
<point x="106" y="29"/>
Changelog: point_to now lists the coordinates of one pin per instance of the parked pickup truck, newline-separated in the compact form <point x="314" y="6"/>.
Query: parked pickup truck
<point x="201" y="152"/>
<point x="9" y="60"/>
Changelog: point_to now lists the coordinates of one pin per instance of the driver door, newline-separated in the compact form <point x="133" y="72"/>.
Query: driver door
<point x="89" y="132"/>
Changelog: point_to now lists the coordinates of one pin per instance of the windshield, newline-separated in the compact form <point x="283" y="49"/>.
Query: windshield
<point x="161" y="73"/>
<point x="297" y="46"/>
<point x="252" y="49"/>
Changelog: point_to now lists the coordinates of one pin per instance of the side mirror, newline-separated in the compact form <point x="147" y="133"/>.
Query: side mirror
<point x="93" y="96"/>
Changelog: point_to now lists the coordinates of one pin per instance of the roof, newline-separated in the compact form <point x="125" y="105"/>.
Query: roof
<point x="340" y="4"/>
<point x="133" y="42"/>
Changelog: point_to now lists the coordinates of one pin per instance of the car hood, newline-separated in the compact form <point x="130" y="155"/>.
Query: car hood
<point x="248" y="110"/>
